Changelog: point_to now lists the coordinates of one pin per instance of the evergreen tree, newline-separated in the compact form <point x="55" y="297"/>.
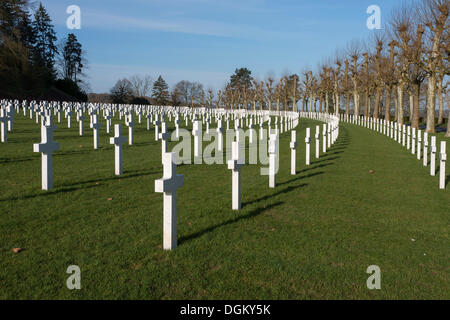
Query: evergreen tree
<point x="45" y="48"/>
<point x="241" y="78"/>
<point x="72" y="58"/>
<point x="160" y="91"/>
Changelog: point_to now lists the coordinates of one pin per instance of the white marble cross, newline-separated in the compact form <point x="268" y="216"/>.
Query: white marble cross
<point x="95" y="126"/>
<point x="3" y="120"/>
<point x="197" y="133"/>
<point x="219" y="136"/>
<point x="408" y="140"/>
<point x="419" y="144"/>
<point x="273" y="154"/>
<point x="308" y="145"/>
<point x="235" y="165"/>
<point x="433" y="156"/>
<point x="324" y="138"/>
<point x="130" y="123"/>
<point x="156" y="123"/>
<point x="317" y="142"/>
<point x="168" y="185"/>
<point x="413" y="144"/>
<point x="46" y="148"/>
<point x="164" y="137"/>
<point x="69" y="119"/>
<point x="293" y="146"/>
<point x="80" y="121"/>
<point x="329" y="136"/>
<point x="108" y="118"/>
<point x="425" y="149"/>
<point x="117" y="141"/>
<point x="443" y="159"/>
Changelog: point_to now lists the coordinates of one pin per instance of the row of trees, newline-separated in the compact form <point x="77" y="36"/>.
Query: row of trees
<point x="31" y="59"/>
<point x="398" y="74"/>
<point x="409" y="59"/>
<point x="136" y="89"/>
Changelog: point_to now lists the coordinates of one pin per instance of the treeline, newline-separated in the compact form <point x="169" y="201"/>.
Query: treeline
<point x="143" y="90"/>
<point x="32" y="64"/>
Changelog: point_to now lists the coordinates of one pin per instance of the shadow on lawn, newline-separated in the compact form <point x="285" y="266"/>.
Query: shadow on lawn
<point x="285" y="190"/>
<point x="237" y="218"/>
<point x="48" y="193"/>
<point x="65" y="188"/>
<point x="124" y="176"/>
<point x="14" y="160"/>
<point x="301" y="177"/>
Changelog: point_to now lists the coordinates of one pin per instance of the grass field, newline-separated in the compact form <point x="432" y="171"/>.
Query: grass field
<point x="312" y="237"/>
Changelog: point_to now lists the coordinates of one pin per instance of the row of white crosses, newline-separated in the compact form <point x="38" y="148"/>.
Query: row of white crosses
<point x="408" y="137"/>
<point x="171" y="181"/>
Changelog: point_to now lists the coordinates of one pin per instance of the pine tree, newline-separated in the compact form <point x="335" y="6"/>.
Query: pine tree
<point x="160" y="91"/>
<point x="45" y="48"/>
<point x="72" y="58"/>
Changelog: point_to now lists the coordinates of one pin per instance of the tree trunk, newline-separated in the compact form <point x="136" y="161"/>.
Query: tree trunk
<point x="416" y="111"/>
<point x="441" y="102"/>
<point x="376" y="108"/>
<point x="396" y="104"/>
<point x="431" y="103"/>
<point x="347" y="107"/>
<point x="327" y="103"/>
<point x="356" y="102"/>
<point x="387" y="108"/>
<point x="338" y="102"/>
<point x="447" y="134"/>
<point x="411" y="106"/>
<point x="400" y="104"/>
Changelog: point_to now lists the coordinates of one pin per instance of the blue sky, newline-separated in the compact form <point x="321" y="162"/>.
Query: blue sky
<point x="206" y="40"/>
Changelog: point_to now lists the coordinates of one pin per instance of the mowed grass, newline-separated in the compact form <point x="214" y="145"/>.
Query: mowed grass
<point x="312" y="237"/>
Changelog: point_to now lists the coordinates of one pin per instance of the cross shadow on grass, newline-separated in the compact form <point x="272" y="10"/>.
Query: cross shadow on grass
<point x="282" y="191"/>
<point x="237" y="218"/>
<point x="15" y="160"/>
<point x="52" y="192"/>
<point x="123" y="176"/>
<point x="302" y="177"/>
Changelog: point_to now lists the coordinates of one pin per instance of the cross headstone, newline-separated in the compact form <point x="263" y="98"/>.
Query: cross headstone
<point x="235" y="165"/>
<point x="317" y="142"/>
<point x="168" y="185"/>
<point x="419" y="144"/>
<point x="443" y="159"/>
<point x="3" y="120"/>
<point x="433" y="156"/>
<point x="324" y="138"/>
<point x="130" y="125"/>
<point x="273" y="153"/>
<point x="308" y="145"/>
<point x="293" y="146"/>
<point x="46" y="148"/>
<point x="425" y="149"/>
<point x="95" y="126"/>
<point x="219" y="136"/>
<point x="197" y="133"/>
<point x="164" y="136"/>
<point x="117" y="141"/>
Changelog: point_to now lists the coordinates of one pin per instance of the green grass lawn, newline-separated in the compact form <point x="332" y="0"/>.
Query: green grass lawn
<point x="312" y="237"/>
